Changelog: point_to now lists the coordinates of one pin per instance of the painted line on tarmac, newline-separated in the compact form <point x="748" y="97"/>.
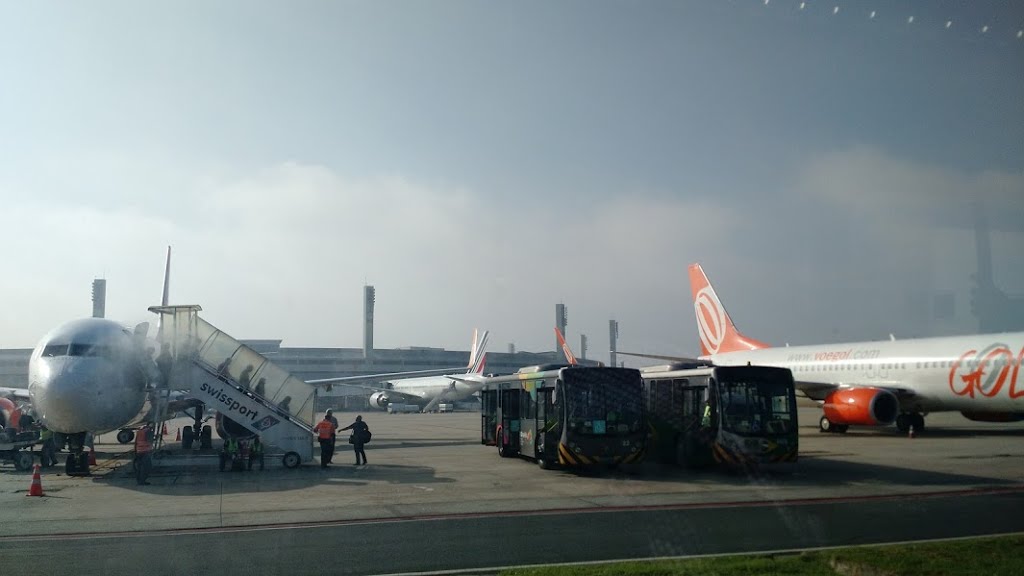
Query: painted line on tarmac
<point x="967" y="492"/>
<point x="780" y="552"/>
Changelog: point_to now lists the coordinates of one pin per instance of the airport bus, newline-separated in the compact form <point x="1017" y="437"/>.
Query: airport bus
<point x="736" y="416"/>
<point x="573" y="416"/>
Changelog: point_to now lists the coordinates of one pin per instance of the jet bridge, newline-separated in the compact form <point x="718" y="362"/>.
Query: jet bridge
<point x="236" y="381"/>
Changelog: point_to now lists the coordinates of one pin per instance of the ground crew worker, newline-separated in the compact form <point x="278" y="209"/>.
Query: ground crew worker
<point x="325" y="430"/>
<point x="143" y="453"/>
<point x="705" y="422"/>
<point x="48" y="453"/>
<point x="228" y="453"/>
<point x="360" y="436"/>
<point x="256" y="452"/>
<point x="334" y="436"/>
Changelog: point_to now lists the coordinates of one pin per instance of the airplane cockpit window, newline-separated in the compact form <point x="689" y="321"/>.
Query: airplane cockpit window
<point x="89" y="350"/>
<point x="54" y="350"/>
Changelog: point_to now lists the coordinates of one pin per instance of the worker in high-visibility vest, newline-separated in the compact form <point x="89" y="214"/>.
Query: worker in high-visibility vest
<point x="325" y="430"/>
<point x="228" y="453"/>
<point x="705" y="422"/>
<point x="256" y="452"/>
<point x="48" y="453"/>
<point x="143" y="453"/>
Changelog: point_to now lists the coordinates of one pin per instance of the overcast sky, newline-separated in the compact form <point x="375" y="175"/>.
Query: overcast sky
<point x="479" y="162"/>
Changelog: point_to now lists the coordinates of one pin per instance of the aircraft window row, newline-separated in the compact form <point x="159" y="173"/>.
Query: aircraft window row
<point x="971" y="365"/>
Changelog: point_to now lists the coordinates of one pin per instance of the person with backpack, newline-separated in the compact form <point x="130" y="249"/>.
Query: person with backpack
<point x="360" y="436"/>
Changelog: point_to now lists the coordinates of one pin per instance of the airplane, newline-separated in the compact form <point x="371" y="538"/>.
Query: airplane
<point x="95" y="375"/>
<point x="423" y="391"/>
<point x="875" y="383"/>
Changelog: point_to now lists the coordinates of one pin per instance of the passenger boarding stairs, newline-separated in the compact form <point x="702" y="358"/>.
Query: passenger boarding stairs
<point x="238" y="382"/>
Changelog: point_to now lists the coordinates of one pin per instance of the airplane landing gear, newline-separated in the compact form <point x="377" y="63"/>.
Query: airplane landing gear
<point x="77" y="463"/>
<point x="906" y="420"/>
<point x="826" y="425"/>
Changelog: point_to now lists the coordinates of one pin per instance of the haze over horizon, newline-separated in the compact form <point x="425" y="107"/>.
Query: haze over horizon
<point x="479" y="162"/>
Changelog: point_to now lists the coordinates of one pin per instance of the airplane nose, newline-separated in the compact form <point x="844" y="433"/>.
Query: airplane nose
<point x="81" y="397"/>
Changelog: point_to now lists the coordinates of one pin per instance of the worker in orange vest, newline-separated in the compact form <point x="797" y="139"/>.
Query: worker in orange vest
<point x="325" y="430"/>
<point x="143" y="453"/>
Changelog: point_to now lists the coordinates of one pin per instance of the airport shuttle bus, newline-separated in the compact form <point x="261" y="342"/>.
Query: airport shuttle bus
<point x="573" y="416"/>
<point x="736" y="416"/>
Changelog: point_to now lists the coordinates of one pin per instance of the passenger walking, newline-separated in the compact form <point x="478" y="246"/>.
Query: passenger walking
<point x="325" y="430"/>
<point x="334" y="435"/>
<point x="360" y="436"/>
<point x="143" y="453"/>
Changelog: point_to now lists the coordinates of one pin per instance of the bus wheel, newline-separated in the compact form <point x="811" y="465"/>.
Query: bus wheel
<point x="544" y="464"/>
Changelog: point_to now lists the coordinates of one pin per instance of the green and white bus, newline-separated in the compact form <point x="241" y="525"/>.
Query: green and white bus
<point x="573" y="416"/>
<point x="736" y="416"/>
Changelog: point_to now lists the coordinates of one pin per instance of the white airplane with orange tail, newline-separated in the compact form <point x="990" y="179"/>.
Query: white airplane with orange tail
<point x="876" y="383"/>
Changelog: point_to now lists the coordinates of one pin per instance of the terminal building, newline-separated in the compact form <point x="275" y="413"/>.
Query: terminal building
<point x="320" y="363"/>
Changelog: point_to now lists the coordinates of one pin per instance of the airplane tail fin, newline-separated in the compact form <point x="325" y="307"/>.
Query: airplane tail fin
<point x="479" y="367"/>
<point x="569" y="356"/>
<point x="477" y="353"/>
<point x="165" y="296"/>
<point x="717" y="332"/>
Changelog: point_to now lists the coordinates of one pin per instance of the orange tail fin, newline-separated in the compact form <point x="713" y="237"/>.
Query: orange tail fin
<point x="569" y="356"/>
<point x="714" y="326"/>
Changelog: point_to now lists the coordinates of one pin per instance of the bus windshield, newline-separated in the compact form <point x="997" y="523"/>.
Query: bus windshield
<point x="757" y="407"/>
<point x="603" y="401"/>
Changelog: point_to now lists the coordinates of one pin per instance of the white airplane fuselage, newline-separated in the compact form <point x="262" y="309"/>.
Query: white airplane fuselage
<point x="85" y="376"/>
<point x="426" y="388"/>
<point x="963" y="373"/>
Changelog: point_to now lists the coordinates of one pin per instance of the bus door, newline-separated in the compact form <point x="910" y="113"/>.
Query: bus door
<point x="509" y="418"/>
<point x="548" y="423"/>
<point x="529" y="429"/>
<point x="693" y="448"/>
<point x="488" y="416"/>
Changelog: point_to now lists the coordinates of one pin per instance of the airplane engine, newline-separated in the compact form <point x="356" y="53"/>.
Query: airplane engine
<point x="993" y="416"/>
<point x="228" y="428"/>
<point x="379" y="400"/>
<point x="8" y="413"/>
<point x="861" y="407"/>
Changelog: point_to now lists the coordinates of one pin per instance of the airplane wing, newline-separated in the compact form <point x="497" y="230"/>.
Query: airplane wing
<point x="382" y="377"/>
<point x="475" y="359"/>
<point x="818" y="391"/>
<point x="660" y="357"/>
<point x="18" y="393"/>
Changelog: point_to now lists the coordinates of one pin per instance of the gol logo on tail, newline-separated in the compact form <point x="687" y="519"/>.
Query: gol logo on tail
<point x="711" y="322"/>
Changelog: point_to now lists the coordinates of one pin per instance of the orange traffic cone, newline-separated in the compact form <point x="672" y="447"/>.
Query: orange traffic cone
<point x="37" y="483"/>
<point x="177" y="438"/>
<point x="92" y="456"/>
<point x="164" y="432"/>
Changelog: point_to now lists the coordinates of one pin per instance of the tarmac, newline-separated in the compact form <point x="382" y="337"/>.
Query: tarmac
<point x="433" y="498"/>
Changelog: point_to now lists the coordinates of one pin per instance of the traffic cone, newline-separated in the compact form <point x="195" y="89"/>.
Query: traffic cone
<point x="911" y="433"/>
<point x="177" y="437"/>
<point x="37" y="483"/>
<point x="164" y="432"/>
<point x="92" y="456"/>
